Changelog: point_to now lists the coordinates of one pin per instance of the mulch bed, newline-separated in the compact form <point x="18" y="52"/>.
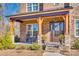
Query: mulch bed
<point x="73" y="52"/>
<point x="13" y="52"/>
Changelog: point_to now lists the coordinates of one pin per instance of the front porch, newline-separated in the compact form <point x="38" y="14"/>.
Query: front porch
<point x="43" y="21"/>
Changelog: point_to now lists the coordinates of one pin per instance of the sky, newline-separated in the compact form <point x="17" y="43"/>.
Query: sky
<point x="10" y="8"/>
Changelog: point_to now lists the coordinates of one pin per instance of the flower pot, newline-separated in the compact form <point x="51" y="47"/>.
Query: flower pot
<point x="43" y="47"/>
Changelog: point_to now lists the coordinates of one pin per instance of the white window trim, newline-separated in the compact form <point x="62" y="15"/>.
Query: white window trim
<point x="29" y="30"/>
<point x="75" y="27"/>
<point x="32" y="8"/>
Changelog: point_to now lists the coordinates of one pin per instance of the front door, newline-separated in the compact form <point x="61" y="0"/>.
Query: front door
<point x="57" y="28"/>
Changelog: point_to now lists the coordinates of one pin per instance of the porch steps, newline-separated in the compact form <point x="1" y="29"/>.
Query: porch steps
<point x="52" y="47"/>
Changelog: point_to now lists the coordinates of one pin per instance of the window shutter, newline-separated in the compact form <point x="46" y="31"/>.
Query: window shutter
<point x="41" y="7"/>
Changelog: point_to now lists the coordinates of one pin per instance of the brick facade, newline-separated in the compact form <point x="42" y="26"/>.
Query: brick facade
<point x="22" y="32"/>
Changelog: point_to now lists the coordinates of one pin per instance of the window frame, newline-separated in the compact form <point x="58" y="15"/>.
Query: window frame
<point x="31" y="29"/>
<point x="32" y="7"/>
<point x="16" y="29"/>
<point x="56" y="4"/>
<point x="75" y="28"/>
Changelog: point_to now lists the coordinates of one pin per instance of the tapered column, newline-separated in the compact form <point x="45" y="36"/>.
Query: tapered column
<point x="67" y="24"/>
<point x="12" y="29"/>
<point x="40" y="21"/>
<point x="67" y="37"/>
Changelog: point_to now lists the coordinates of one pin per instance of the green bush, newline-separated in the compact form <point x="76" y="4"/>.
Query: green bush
<point x="44" y="37"/>
<point x="1" y="47"/>
<point x="28" y="47"/>
<point x="76" y="44"/>
<point x="35" y="46"/>
<point x="6" y="40"/>
<point x="61" y="36"/>
<point x="12" y="46"/>
<point x="20" y="46"/>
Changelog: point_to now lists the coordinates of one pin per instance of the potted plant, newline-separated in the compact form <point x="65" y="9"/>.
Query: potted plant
<point x="61" y="38"/>
<point x="44" y="38"/>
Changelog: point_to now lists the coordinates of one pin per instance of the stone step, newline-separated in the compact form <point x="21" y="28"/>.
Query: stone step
<point x="53" y="43"/>
<point x="52" y="47"/>
<point x="52" y="50"/>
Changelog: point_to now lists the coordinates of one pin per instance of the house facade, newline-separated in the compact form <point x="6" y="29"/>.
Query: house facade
<point x="51" y="19"/>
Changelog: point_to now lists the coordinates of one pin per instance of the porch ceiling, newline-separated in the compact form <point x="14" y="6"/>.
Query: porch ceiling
<point x="54" y="19"/>
<point x="21" y="17"/>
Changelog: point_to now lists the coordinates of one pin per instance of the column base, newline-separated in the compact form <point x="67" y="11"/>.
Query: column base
<point x="39" y="40"/>
<point x="67" y="45"/>
<point x="12" y="36"/>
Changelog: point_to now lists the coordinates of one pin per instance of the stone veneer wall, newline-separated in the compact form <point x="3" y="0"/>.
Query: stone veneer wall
<point x="46" y="30"/>
<point x="74" y="14"/>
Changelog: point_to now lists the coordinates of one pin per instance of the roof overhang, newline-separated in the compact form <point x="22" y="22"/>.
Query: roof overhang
<point x="20" y="17"/>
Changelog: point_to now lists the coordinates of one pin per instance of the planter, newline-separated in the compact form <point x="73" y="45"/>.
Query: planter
<point x="43" y="47"/>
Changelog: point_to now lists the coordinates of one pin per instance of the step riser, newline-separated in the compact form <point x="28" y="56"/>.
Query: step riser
<point x="52" y="47"/>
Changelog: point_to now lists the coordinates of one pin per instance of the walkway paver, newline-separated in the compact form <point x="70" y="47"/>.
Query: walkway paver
<point x="52" y="54"/>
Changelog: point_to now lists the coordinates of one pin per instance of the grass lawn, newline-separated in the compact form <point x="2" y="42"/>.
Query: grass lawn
<point x="13" y="52"/>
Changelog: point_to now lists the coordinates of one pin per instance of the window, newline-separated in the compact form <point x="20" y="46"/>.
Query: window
<point x="32" y="7"/>
<point x="17" y="28"/>
<point x="32" y="30"/>
<point x="56" y="4"/>
<point x="66" y="5"/>
<point x="77" y="28"/>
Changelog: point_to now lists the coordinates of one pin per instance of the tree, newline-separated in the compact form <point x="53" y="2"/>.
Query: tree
<point x="0" y="10"/>
<point x="0" y="18"/>
<point x="1" y="21"/>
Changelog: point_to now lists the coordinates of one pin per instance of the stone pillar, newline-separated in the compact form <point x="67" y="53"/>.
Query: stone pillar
<point x="22" y="32"/>
<point x="67" y="43"/>
<point x="12" y="29"/>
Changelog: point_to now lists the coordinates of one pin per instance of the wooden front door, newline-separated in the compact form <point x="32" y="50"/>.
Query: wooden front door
<point x="57" y="28"/>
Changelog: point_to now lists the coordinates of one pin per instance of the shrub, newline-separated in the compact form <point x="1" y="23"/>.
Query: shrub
<point x="28" y="47"/>
<point x="6" y="40"/>
<point x="12" y="46"/>
<point x="35" y="46"/>
<point x="76" y="44"/>
<point x="61" y="36"/>
<point x="1" y="47"/>
<point x="20" y="46"/>
<point x="44" y="37"/>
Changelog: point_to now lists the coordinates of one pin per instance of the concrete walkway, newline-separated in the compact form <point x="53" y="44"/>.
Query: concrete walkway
<point x="52" y="54"/>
